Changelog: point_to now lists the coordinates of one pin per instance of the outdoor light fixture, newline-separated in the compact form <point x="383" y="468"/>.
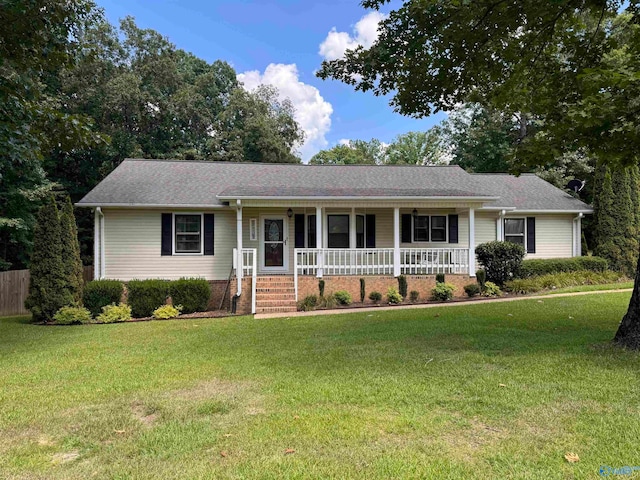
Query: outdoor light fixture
<point x="415" y="213"/>
<point x="289" y="213"/>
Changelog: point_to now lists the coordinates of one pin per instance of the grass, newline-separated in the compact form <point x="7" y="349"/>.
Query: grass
<point x="499" y="390"/>
<point x="588" y="288"/>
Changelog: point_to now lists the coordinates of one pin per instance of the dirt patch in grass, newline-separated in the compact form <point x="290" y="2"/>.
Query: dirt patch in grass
<point x="212" y="389"/>
<point x="66" y="457"/>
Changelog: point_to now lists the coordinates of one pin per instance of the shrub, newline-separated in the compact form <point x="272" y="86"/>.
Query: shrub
<point x="491" y="290"/>
<point x="71" y="251"/>
<point x="501" y="260"/>
<point x="115" y="313"/>
<point x="481" y="278"/>
<point x="561" y="280"/>
<point x="472" y="289"/>
<point x="414" y="295"/>
<point x="192" y="293"/>
<point x="321" y="288"/>
<point x="100" y="293"/>
<point x="402" y="286"/>
<point x="442" y="292"/>
<point x="308" y="303"/>
<point x="343" y="297"/>
<point x="375" y="297"/>
<point x="166" y="312"/>
<point x="72" y="315"/>
<point x="145" y="296"/>
<point x="48" y="282"/>
<point x="362" y="290"/>
<point x="393" y="296"/>
<point x="532" y="268"/>
<point x="440" y="278"/>
<point x="327" y="302"/>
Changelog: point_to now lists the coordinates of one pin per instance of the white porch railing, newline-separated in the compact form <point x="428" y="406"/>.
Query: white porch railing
<point x="429" y="261"/>
<point x="249" y="268"/>
<point x="379" y="261"/>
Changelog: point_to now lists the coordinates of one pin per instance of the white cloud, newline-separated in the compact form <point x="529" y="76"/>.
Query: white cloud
<point x="313" y="113"/>
<point x="344" y="141"/>
<point x="365" y="33"/>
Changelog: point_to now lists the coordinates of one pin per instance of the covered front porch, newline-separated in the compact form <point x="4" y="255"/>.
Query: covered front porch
<point x="417" y="238"/>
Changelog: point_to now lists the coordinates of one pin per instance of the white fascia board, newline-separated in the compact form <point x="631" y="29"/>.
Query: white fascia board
<point x="146" y="205"/>
<point x="356" y="198"/>
<point x="543" y="212"/>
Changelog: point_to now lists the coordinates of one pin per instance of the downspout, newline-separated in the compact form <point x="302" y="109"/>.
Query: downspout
<point x="577" y="237"/>
<point x="98" y="245"/>
<point x="239" y="266"/>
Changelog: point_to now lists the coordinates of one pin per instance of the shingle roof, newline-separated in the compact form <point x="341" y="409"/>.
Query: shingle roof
<point x="528" y="192"/>
<point x="198" y="183"/>
<point x="161" y="182"/>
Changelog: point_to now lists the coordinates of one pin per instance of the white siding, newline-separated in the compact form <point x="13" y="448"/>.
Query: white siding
<point x="133" y="240"/>
<point x="485" y="227"/>
<point x="554" y="235"/>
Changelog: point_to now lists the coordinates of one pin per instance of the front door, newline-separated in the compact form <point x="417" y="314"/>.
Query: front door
<point x="275" y="251"/>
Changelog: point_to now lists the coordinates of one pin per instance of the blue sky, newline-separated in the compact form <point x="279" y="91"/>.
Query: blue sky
<point x="279" y="42"/>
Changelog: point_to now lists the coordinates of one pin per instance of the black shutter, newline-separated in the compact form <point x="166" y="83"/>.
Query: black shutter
<point x="311" y="237"/>
<point x="531" y="234"/>
<point x="299" y="230"/>
<point x="208" y="233"/>
<point x="371" y="231"/>
<point x="453" y="228"/>
<point x="406" y="228"/>
<point x="167" y="220"/>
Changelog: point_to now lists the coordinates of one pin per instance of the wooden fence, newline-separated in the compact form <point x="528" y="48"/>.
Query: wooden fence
<point x="14" y="288"/>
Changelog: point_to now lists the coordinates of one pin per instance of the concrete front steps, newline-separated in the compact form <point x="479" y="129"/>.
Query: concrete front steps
<point x="275" y="294"/>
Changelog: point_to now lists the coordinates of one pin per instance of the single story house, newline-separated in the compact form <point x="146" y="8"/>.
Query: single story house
<point x="270" y="231"/>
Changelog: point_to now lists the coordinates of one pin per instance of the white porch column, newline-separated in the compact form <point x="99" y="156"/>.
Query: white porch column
<point x="579" y="237"/>
<point x="239" y="266"/>
<point x="396" y="241"/>
<point x="352" y="228"/>
<point x="472" y="242"/>
<point x="319" y="240"/>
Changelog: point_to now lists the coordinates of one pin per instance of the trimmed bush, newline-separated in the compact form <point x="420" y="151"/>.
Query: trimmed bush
<point x="491" y="290"/>
<point x="165" y="312"/>
<point x="308" y="303"/>
<point x="70" y="251"/>
<point x="147" y="295"/>
<point x="327" y="302"/>
<point x="192" y="293"/>
<point x="100" y="293"/>
<point x="472" y="289"/>
<point x="501" y="260"/>
<point x="115" y="313"/>
<point x="343" y="297"/>
<point x="393" y="296"/>
<point x="442" y="292"/>
<point x="481" y="278"/>
<point x="402" y="286"/>
<point x="48" y="281"/>
<point x="532" y="268"/>
<point x="561" y="280"/>
<point x="362" y="290"/>
<point x="414" y="295"/>
<point x="71" y="316"/>
<point x="440" y="278"/>
<point x="375" y="297"/>
<point x="321" y="288"/>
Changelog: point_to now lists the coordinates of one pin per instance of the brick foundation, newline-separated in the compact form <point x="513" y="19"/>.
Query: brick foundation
<point x="217" y="291"/>
<point x="308" y="285"/>
<point x="243" y="305"/>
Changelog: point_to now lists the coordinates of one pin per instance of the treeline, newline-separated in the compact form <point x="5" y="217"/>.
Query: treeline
<point x="78" y="95"/>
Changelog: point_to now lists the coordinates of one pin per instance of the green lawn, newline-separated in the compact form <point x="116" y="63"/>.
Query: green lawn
<point x="499" y="390"/>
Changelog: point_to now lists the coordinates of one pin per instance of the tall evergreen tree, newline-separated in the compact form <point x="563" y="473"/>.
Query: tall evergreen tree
<point x="70" y="251"/>
<point x="48" y="283"/>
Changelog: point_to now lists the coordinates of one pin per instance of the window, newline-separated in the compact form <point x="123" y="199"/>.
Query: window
<point x="311" y="231"/>
<point x="188" y="237"/>
<point x="253" y="229"/>
<point x="514" y="230"/>
<point x="421" y="228"/>
<point x="338" y="231"/>
<point x="360" y="231"/>
<point x="439" y="228"/>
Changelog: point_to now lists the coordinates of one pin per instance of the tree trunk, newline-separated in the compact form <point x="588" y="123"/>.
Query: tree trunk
<point x="628" y="334"/>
